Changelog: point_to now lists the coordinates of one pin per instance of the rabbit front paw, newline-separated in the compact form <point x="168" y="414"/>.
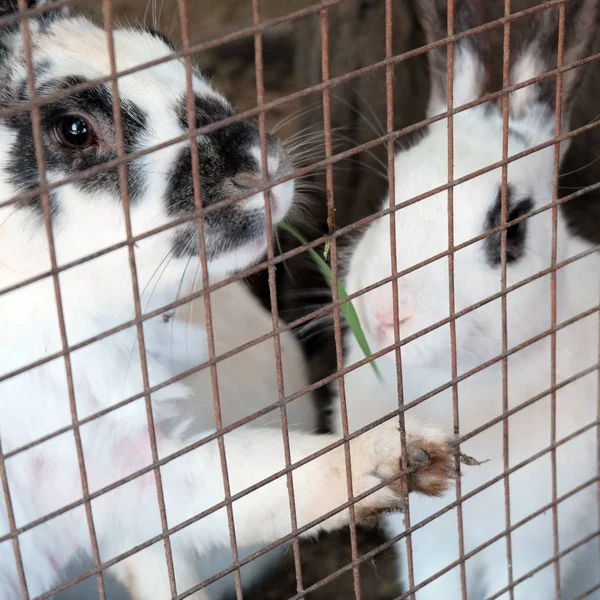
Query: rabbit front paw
<point x="429" y="467"/>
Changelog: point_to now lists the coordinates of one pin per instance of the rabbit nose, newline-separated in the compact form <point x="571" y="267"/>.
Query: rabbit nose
<point x="254" y="181"/>
<point x="385" y="321"/>
<point x="384" y="314"/>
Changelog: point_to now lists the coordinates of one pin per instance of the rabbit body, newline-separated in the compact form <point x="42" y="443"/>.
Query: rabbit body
<point x="64" y="495"/>
<point x="421" y="234"/>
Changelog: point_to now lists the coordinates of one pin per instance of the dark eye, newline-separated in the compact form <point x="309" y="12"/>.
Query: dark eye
<point x="74" y="132"/>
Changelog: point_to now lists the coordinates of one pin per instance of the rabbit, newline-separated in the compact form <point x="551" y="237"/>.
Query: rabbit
<point x="44" y="528"/>
<point x="423" y="299"/>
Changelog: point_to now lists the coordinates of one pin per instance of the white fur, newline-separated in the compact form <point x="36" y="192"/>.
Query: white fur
<point x="421" y="233"/>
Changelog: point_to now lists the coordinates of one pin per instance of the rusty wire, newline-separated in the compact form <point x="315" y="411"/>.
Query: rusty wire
<point x="307" y="170"/>
<point x="503" y="234"/>
<point x="389" y="85"/>
<point x="191" y="117"/>
<point x="451" y="291"/>
<point x="257" y="29"/>
<point x="345" y="370"/>
<point x="273" y="289"/>
<point x="553" y="277"/>
<point x="337" y="329"/>
<point x="120" y="142"/>
<point x="41" y="166"/>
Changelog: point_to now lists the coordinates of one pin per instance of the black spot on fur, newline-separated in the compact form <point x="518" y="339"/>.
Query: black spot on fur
<point x="208" y="110"/>
<point x="223" y="154"/>
<point x="515" y="234"/>
<point x="94" y="104"/>
<point x="168" y="316"/>
<point x="41" y="68"/>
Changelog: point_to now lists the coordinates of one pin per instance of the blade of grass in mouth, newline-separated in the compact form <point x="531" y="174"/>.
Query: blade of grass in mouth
<point x="347" y="307"/>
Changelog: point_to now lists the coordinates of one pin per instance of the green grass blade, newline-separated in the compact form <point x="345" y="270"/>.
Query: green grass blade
<point x="347" y="308"/>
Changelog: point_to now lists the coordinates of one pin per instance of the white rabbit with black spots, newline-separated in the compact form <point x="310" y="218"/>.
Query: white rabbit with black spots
<point x="423" y="301"/>
<point x="43" y="475"/>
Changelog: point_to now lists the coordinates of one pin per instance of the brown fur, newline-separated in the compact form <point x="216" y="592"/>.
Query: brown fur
<point x="434" y="478"/>
<point x="430" y="468"/>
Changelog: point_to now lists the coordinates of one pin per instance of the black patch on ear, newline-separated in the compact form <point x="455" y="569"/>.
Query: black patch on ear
<point x="515" y="234"/>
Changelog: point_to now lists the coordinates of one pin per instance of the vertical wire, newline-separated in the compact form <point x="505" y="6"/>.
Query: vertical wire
<point x="116" y="108"/>
<point x="260" y="88"/>
<point x="12" y="525"/>
<point x="41" y="166"/>
<point x="557" y="131"/>
<point x="451" y="299"/>
<point x="335" y="295"/>
<point x="389" y="83"/>
<point x="503" y="234"/>
<point x="191" y="116"/>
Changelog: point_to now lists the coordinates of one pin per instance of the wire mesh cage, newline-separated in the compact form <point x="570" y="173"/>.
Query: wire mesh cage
<point x="159" y="431"/>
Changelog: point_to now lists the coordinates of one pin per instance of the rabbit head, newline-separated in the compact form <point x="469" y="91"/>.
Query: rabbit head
<point x="78" y="133"/>
<point x="421" y="228"/>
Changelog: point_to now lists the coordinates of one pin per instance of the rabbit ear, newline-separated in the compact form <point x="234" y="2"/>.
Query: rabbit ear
<point x="540" y="54"/>
<point x="471" y="54"/>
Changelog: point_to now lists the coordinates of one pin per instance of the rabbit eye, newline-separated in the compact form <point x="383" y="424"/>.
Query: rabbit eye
<point x="74" y="132"/>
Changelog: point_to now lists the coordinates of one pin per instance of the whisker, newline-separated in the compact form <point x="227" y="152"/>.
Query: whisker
<point x="168" y="257"/>
<point x="295" y="115"/>
<point x="191" y="306"/>
<point x="580" y="168"/>
<point x="378" y="121"/>
<point x="177" y="296"/>
<point x="10" y="214"/>
<point x="378" y="132"/>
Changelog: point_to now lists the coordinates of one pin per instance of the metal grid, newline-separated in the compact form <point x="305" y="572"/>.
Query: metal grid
<point x="391" y="136"/>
